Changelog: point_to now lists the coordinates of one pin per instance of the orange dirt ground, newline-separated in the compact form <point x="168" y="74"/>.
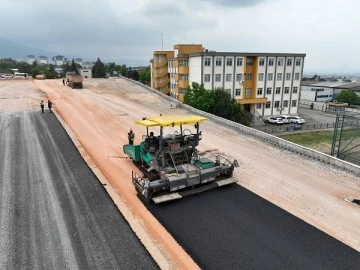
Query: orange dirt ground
<point x="101" y="114"/>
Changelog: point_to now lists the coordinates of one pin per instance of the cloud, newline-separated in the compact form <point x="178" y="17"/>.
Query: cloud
<point x="128" y="29"/>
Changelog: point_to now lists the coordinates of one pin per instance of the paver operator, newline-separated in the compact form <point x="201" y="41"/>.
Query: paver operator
<point x="131" y="137"/>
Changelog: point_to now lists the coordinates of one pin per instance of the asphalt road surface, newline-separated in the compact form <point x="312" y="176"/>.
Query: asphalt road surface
<point x="232" y="228"/>
<point x="54" y="214"/>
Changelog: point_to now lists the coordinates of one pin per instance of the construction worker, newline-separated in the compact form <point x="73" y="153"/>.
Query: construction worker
<point x="42" y="106"/>
<point x="49" y="105"/>
<point x="131" y="137"/>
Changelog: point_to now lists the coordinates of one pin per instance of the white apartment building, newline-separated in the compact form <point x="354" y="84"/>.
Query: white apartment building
<point x="30" y="59"/>
<point x="264" y="83"/>
<point x="43" y="60"/>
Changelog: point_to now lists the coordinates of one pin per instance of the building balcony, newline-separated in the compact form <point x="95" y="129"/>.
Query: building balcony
<point x="165" y="91"/>
<point x="183" y="84"/>
<point x="160" y="74"/>
<point x="183" y="70"/>
<point x="252" y="100"/>
<point x="160" y="64"/>
<point x="161" y="84"/>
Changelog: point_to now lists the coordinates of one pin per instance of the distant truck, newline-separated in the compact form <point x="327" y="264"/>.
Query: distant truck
<point x="74" y="80"/>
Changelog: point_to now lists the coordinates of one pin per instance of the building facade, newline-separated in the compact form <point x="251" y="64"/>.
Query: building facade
<point x="43" y="60"/>
<point x="86" y="73"/>
<point x="263" y="83"/>
<point x="30" y="59"/>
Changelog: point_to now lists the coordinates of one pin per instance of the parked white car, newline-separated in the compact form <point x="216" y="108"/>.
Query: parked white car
<point x="275" y="120"/>
<point x="285" y="118"/>
<point x="297" y="120"/>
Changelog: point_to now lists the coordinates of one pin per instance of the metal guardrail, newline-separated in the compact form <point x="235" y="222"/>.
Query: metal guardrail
<point x="268" y="138"/>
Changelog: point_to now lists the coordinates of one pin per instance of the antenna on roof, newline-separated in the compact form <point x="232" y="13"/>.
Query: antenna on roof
<point x="162" y="42"/>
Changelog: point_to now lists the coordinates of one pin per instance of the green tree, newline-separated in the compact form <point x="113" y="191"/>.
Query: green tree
<point x="198" y="97"/>
<point x="217" y="102"/>
<point x="50" y="73"/>
<point x="145" y="76"/>
<point x="73" y="67"/>
<point x="99" y="71"/>
<point x="132" y="74"/>
<point x="348" y="96"/>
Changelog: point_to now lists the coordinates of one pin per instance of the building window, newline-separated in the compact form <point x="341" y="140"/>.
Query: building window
<point x="289" y="62"/>
<point x="277" y="90"/>
<point x="268" y="91"/>
<point x="298" y="62"/>
<point x="248" y="76"/>
<point x="277" y="104"/>
<point x="207" y="78"/>
<point x="293" y="103"/>
<point x="297" y="76"/>
<point x="270" y="76"/>
<point x="261" y="63"/>
<point x="259" y="91"/>
<point x="183" y="63"/>
<point x="288" y="76"/>
<point x="238" y="77"/>
<point x="268" y="105"/>
<point x="279" y="76"/>
<point x="228" y="77"/>
<point x="295" y="90"/>
<point x="184" y="77"/>
<point x="280" y="62"/>
<point x="258" y="105"/>
<point x="261" y="77"/>
<point x="249" y="61"/>
<point x="247" y="91"/>
<point x="271" y="62"/>
<point x="207" y="62"/>
<point x="286" y="90"/>
<point x="229" y="61"/>
<point x="239" y="62"/>
<point x="285" y="103"/>
<point x="238" y="92"/>
<point x="218" y="62"/>
<point x="217" y="77"/>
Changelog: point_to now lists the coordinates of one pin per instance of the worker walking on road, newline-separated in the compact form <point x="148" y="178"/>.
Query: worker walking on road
<point x="131" y="137"/>
<point x="42" y="106"/>
<point x="50" y="105"/>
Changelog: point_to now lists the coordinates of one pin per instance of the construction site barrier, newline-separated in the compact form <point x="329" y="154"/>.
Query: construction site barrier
<point x="268" y="138"/>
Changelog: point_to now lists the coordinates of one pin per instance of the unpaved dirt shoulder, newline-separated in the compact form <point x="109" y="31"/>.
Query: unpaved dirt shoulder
<point x="97" y="126"/>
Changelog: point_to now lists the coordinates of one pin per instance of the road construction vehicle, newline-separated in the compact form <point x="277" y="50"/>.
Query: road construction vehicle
<point x="74" y="80"/>
<point x="172" y="167"/>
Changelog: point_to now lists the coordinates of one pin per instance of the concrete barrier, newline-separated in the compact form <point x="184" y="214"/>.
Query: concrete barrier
<point x="268" y="138"/>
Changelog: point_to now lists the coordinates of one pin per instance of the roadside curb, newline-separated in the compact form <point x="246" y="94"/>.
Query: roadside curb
<point x="155" y="251"/>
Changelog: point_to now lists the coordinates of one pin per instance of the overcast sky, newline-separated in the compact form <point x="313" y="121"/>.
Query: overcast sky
<point x="128" y="31"/>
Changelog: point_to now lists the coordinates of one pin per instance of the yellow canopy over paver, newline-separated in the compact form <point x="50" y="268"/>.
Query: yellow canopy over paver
<point x="171" y="120"/>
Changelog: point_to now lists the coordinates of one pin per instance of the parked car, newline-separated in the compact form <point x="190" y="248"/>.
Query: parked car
<point x="297" y="120"/>
<point x="275" y="120"/>
<point x="285" y="118"/>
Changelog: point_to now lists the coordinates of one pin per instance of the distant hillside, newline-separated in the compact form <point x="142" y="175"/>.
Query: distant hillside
<point x="9" y="49"/>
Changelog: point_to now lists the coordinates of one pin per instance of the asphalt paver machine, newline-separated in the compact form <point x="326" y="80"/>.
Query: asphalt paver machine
<point x="171" y="165"/>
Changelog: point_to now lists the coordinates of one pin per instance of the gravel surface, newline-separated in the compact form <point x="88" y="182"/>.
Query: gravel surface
<point x="232" y="228"/>
<point x="54" y="214"/>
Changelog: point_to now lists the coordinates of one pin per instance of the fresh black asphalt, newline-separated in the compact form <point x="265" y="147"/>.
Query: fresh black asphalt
<point x="232" y="228"/>
<point x="54" y="213"/>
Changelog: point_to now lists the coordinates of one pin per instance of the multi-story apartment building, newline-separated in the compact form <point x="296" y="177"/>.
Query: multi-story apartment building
<point x="30" y="59"/>
<point x="42" y="60"/>
<point x="264" y="83"/>
<point x="58" y="60"/>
